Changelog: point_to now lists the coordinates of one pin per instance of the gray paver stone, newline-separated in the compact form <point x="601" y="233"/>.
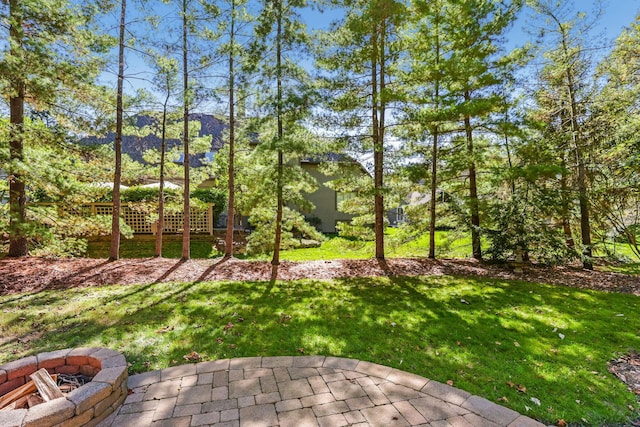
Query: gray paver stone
<point x="384" y="416"/>
<point x="53" y="412"/>
<point x="435" y="409"/>
<point x="490" y="410"/>
<point x="373" y="369"/>
<point x="376" y="395"/>
<point x="345" y="389"/>
<point x="186" y="410"/>
<point x="478" y="421"/>
<point x="396" y="393"/>
<point x="446" y="392"/>
<point x="164" y="409"/>
<point x="220" y="393"/>
<point x="297" y="373"/>
<point x="297" y="418"/>
<point x="340" y="363"/>
<point x="523" y="421"/>
<point x="288" y="405"/>
<point x="220" y="405"/>
<point x="244" y="388"/>
<point x="359" y="403"/>
<point x="317" y="399"/>
<point x="407" y="379"/>
<point x="257" y="372"/>
<point x="277" y="362"/>
<point x="229" y="415"/>
<point x="336" y="420"/>
<point x="245" y="363"/>
<point x="308" y="361"/>
<point x="318" y="385"/>
<point x="173" y="422"/>
<point x="162" y="390"/>
<point x="133" y="419"/>
<point x="189" y="381"/>
<point x="220" y="379"/>
<point x="268" y="384"/>
<point x="267" y="398"/>
<point x="178" y="371"/>
<point x="330" y="408"/>
<point x="88" y="396"/>
<point x="258" y="416"/>
<point x="410" y="413"/>
<point x="212" y="366"/>
<point x="203" y="379"/>
<point x="354" y="417"/>
<point x="139" y="380"/>
<point x="207" y="418"/>
<point x="294" y="389"/>
<point x="197" y="394"/>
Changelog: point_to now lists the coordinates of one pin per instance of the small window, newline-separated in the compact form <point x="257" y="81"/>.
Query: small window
<point x="400" y="215"/>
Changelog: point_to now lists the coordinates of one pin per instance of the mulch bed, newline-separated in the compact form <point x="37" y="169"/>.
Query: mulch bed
<point x="30" y="274"/>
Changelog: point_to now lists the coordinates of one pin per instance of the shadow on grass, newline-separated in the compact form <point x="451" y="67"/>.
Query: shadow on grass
<point x="481" y="334"/>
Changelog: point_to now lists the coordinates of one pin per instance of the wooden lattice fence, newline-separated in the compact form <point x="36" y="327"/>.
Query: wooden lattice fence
<point x="201" y="220"/>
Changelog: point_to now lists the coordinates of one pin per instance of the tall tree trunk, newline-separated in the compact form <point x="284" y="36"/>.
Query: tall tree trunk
<point x="186" y="228"/>
<point x="583" y="198"/>
<point x="434" y="151"/>
<point x="566" y="221"/>
<point x="17" y="198"/>
<point x="279" y="190"/>
<point x="377" y="112"/>
<point x="434" y="192"/>
<point x="163" y="139"/>
<point x="228" y="245"/>
<point x="473" y="189"/>
<point x="114" y="250"/>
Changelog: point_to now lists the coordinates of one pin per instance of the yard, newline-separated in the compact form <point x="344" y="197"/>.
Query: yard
<point x="542" y="349"/>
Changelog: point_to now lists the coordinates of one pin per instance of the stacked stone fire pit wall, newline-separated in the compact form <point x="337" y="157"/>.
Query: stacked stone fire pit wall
<point x="84" y="406"/>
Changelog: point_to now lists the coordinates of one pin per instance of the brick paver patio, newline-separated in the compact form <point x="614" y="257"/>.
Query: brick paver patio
<point x="299" y="392"/>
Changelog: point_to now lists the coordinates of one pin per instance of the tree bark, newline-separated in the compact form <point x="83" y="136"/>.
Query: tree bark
<point x="228" y="245"/>
<point x="473" y="189"/>
<point x="114" y="250"/>
<point x="163" y="143"/>
<point x="279" y="190"/>
<point x="377" y="81"/>
<point x="186" y="227"/>
<point x="17" y="197"/>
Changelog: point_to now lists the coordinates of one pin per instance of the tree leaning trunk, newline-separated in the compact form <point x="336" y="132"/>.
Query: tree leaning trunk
<point x="114" y="250"/>
<point x="160" y="227"/>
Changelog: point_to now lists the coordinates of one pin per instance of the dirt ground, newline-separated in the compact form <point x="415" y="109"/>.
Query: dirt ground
<point x="29" y="274"/>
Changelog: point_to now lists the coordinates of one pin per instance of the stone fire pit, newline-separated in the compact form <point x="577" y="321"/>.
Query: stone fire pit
<point x="87" y="405"/>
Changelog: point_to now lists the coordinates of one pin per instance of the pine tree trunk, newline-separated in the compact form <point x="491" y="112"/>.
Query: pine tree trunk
<point x="434" y="192"/>
<point x="279" y="206"/>
<point x="186" y="227"/>
<point x="377" y="81"/>
<point x="163" y="138"/>
<point x="473" y="189"/>
<point x="228" y="244"/>
<point x="114" y="250"/>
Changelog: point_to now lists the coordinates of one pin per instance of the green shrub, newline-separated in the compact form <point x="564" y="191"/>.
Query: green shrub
<point x="212" y="195"/>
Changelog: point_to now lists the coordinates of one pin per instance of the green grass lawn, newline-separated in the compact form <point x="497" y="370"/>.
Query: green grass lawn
<point x="448" y="245"/>
<point x="554" y="341"/>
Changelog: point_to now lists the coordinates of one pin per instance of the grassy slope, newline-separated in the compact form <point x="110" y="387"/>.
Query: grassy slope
<point x="509" y="332"/>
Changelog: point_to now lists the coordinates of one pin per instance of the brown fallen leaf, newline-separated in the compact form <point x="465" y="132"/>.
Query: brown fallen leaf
<point x="228" y="326"/>
<point x="450" y="382"/>
<point x="192" y="357"/>
<point x="521" y="388"/>
<point x="561" y="423"/>
<point x="503" y="399"/>
<point x="511" y="384"/>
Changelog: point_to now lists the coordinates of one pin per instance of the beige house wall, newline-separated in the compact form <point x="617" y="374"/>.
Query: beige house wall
<point x="324" y="200"/>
